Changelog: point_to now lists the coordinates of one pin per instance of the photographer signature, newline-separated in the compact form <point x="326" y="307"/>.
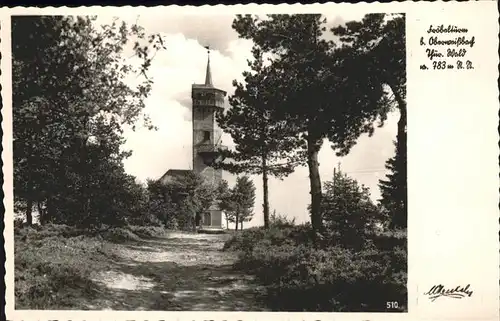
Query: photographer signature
<point x="457" y="292"/>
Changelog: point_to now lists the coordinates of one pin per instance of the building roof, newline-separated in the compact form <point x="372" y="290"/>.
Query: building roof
<point x="208" y="88"/>
<point x="209" y="84"/>
<point x="208" y="76"/>
<point x="174" y="174"/>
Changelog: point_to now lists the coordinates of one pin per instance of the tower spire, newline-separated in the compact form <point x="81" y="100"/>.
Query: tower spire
<point x="208" y="76"/>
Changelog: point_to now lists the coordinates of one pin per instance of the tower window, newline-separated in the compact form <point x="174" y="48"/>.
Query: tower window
<point x="206" y="135"/>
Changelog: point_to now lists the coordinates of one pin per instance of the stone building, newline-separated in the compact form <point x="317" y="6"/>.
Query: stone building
<point x="206" y="101"/>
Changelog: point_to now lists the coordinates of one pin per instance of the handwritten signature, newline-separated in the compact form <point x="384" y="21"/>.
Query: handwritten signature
<point x="458" y="292"/>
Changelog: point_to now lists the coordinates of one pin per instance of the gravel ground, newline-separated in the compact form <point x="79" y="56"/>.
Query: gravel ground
<point x="181" y="272"/>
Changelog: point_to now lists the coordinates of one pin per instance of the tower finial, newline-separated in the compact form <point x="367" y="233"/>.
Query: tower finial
<point x="208" y="76"/>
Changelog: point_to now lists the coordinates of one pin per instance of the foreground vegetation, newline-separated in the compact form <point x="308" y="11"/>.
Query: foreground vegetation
<point x="357" y="264"/>
<point x="54" y="263"/>
<point x="301" y="277"/>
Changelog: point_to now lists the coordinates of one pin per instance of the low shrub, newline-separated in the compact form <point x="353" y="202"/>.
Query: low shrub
<point x="336" y="279"/>
<point x="148" y="219"/>
<point x="245" y="240"/>
<point x="49" y="273"/>
<point x="278" y="220"/>
<point x="18" y="223"/>
<point x="148" y="231"/>
<point x="388" y="240"/>
<point x="120" y="234"/>
<point x="299" y="277"/>
<point x="49" y="230"/>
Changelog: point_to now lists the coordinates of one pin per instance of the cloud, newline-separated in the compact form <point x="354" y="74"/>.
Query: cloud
<point x="208" y="30"/>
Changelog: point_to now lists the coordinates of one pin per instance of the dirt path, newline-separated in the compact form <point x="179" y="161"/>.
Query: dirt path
<point x="182" y="272"/>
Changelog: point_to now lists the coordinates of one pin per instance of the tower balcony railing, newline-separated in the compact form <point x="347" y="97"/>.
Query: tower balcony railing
<point x="208" y="103"/>
<point x="210" y="148"/>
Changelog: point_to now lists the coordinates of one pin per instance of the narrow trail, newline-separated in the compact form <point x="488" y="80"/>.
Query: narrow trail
<point x="180" y="272"/>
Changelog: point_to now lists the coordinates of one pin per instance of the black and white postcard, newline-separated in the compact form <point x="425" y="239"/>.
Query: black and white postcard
<point x="251" y="162"/>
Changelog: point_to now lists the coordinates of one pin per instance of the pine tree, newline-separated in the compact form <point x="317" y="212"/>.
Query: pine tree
<point x="261" y="144"/>
<point x="243" y="196"/>
<point x="348" y="210"/>
<point x="375" y="49"/>
<point x="394" y="189"/>
<point x="226" y="202"/>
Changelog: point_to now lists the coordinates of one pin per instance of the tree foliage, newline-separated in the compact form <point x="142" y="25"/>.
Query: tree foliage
<point x="376" y="49"/>
<point x="72" y="95"/>
<point x="226" y="201"/>
<point x="182" y="201"/>
<point x="263" y="136"/>
<point x="394" y="191"/>
<point x="237" y="202"/>
<point x="320" y="94"/>
<point x="348" y="211"/>
<point x="263" y="146"/>
<point x="279" y="220"/>
<point x="243" y="196"/>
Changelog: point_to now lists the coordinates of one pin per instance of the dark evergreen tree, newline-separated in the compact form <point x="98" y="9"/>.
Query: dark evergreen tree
<point x="375" y="49"/>
<point x="226" y="202"/>
<point x="261" y="143"/>
<point x="394" y="191"/>
<point x="348" y="211"/>
<point x="243" y="197"/>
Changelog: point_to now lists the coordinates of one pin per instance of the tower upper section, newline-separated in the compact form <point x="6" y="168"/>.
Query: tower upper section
<point x="206" y="95"/>
<point x="207" y="100"/>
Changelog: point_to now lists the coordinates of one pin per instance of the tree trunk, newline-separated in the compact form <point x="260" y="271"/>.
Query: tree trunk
<point x="197" y="219"/>
<point x="241" y="226"/>
<point x="236" y="225"/>
<point x="401" y="137"/>
<point x="402" y="219"/>
<point x="29" y="211"/>
<point x="49" y="211"/>
<point x="266" y="192"/>
<point x="29" y="204"/>
<point x="312" y="161"/>
<point x="313" y="147"/>
<point x="41" y="213"/>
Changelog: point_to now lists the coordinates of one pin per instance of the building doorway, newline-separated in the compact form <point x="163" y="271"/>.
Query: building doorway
<point x="207" y="219"/>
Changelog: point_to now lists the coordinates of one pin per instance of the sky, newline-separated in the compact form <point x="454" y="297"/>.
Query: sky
<point x="183" y="63"/>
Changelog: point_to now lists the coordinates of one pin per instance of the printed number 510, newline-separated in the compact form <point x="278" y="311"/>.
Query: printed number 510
<point x="392" y="305"/>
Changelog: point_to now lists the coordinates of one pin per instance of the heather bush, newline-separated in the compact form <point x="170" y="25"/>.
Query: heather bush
<point x="120" y="234"/>
<point x="18" y="222"/>
<point x="336" y="279"/>
<point x="299" y="277"/>
<point x="48" y="267"/>
<point x="39" y="232"/>
<point x="353" y="265"/>
<point x="244" y="241"/>
<point x="147" y="231"/>
<point x="279" y="220"/>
